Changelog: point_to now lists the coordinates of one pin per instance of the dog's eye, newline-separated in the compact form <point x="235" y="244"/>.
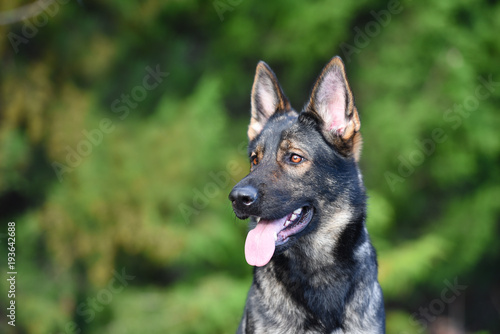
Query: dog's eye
<point x="296" y="159"/>
<point x="255" y="160"/>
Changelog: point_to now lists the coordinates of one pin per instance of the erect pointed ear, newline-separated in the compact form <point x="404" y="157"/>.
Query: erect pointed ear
<point x="332" y="102"/>
<point x="267" y="99"/>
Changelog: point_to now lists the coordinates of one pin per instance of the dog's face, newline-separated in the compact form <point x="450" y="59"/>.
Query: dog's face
<point x="301" y="164"/>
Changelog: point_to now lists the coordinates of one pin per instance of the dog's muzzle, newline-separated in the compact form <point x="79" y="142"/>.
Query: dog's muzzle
<point x="243" y="197"/>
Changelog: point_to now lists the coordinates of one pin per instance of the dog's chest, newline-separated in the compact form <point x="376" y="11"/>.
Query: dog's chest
<point x="278" y="306"/>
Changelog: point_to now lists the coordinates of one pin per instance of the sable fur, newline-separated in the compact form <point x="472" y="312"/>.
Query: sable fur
<point x="324" y="279"/>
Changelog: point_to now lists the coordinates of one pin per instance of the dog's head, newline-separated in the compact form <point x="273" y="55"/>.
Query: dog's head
<point x="303" y="165"/>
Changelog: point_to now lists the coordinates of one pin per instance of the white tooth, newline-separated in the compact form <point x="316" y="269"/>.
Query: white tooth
<point x="275" y="236"/>
<point x="299" y="210"/>
<point x="287" y="223"/>
<point x="293" y="216"/>
<point x="257" y="219"/>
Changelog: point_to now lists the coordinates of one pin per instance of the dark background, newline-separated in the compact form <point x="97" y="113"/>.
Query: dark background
<point x="119" y="189"/>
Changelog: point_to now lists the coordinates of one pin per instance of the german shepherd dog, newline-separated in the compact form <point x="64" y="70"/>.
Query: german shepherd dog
<point x="315" y="267"/>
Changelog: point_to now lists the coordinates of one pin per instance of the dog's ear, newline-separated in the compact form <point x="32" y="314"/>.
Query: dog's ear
<point x="267" y="99"/>
<point x="332" y="103"/>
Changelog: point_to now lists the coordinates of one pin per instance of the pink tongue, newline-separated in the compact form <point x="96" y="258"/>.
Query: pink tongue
<point x="260" y="243"/>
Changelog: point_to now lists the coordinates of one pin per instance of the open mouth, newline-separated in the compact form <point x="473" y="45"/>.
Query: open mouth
<point x="294" y="223"/>
<point x="263" y="239"/>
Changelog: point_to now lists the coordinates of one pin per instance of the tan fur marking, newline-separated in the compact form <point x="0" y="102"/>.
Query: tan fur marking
<point x="286" y="147"/>
<point x="357" y="145"/>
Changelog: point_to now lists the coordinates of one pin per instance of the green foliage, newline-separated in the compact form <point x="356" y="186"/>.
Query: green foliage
<point x="211" y="305"/>
<point x="149" y="194"/>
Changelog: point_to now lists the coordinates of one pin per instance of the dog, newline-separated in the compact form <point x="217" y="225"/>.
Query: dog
<point x="315" y="267"/>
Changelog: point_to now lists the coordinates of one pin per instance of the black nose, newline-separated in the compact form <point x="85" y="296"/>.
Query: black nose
<point x="246" y="195"/>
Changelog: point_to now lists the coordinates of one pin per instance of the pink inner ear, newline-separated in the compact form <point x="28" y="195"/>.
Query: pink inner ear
<point x="332" y="102"/>
<point x="267" y="98"/>
<point x="336" y="111"/>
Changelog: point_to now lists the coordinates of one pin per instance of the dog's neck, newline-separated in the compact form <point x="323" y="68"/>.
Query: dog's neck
<point x="318" y="281"/>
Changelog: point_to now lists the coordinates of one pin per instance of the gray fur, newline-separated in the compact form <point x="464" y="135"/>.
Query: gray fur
<point x="324" y="278"/>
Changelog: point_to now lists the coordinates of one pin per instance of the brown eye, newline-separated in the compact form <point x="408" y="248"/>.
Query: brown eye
<point x="296" y="158"/>
<point x="255" y="160"/>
